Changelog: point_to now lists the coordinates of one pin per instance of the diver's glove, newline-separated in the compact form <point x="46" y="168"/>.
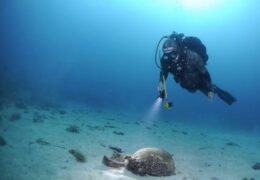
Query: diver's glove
<point x="211" y="92"/>
<point x="162" y="94"/>
<point x="210" y="96"/>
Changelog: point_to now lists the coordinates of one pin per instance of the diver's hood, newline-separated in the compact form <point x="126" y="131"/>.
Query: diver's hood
<point x="169" y="46"/>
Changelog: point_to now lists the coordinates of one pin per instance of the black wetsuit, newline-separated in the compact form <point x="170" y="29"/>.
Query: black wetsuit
<point x="188" y="69"/>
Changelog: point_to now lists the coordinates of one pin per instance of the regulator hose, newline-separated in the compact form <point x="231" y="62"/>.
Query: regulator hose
<point x="156" y="51"/>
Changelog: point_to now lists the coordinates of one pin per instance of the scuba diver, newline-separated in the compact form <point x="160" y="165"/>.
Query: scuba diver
<point x="185" y="58"/>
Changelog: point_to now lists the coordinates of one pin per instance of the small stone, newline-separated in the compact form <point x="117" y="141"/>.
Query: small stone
<point x="214" y="178"/>
<point x="20" y="105"/>
<point x="2" y="141"/>
<point x="118" y="133"/>
<point x="1" y="106"/>
<point x="78" y="155"/>
<point x="41" y="141"/>
<point x="62" y="112"/>
<point x="232" y="144"/>
<point x="184" y="132"/>
<point x="15" y="117"/>
<point x="256" y="166"/>
<point x="119" y="150"/>
<point x="73" y="129"/>
<point x="38" y="118"/>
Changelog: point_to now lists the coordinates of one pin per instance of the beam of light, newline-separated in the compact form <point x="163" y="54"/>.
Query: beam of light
<point x="153" y="112"/>
<point x="156" y="107"/>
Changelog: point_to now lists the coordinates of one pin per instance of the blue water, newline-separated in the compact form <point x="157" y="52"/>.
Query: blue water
<point x="101" y="54"/>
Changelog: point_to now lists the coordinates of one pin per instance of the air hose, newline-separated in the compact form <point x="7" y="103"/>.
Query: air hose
<point x="167" y="104"/>
<point x="157" y="48"/>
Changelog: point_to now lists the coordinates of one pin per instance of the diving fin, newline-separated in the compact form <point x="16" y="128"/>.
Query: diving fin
<point x="225" y="96"/>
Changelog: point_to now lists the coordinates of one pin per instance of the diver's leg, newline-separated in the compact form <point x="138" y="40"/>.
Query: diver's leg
<point x="206" y="88"/>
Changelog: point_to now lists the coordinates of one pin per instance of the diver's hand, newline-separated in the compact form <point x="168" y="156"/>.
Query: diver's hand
<point x="161" y="90"/>
<point x="210" y="96"/>
<point x="160" y="87"/>
<point x="162" y="94"/>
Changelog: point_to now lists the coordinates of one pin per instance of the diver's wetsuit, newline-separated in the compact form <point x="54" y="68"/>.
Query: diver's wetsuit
<point x="189" y="70"/>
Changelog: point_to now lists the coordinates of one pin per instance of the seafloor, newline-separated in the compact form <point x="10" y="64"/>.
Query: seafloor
<point x="35" y="141"/>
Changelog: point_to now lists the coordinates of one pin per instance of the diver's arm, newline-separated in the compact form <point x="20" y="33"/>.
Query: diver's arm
<point x="199" y="65"/>
<point x="164" y="68"/>
<point x="161" y="85"/>
<point x="163" y="77"/>
<point x="206" y="86"/>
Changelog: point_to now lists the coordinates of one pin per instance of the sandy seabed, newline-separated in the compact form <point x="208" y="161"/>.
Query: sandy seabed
<point x="37" y="144"/>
